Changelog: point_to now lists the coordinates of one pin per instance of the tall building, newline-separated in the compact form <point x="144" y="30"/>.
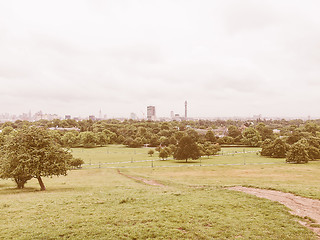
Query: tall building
<point x="185" y="110"/>
<point x="172" y="114"/>
<point x="151" y="113"/>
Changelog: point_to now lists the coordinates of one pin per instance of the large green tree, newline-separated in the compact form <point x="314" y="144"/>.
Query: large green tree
<point x="210" y="136"/>
<point x="312" y="128"/>
<point x="251" y="137"/>
<point x="32" y="153"/>
<point x="88" y="139"/>
<point x="264" y="131"/>
<point x="276" y="149"/>
<point x="298" y="153"/>
<point x="233" y="131"/>
<point x="187" y="148"/>
<point x="314" y="147"/>
<point x="101" y="139"/>
<point x="70" y="139"/>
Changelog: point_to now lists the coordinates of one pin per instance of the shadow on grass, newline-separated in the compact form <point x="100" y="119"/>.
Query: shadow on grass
<point x="189" y="161"/>
<point x="14" y="190"/>
<point x="62" y="189"/>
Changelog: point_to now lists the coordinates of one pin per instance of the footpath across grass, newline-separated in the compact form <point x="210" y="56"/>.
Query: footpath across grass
<point x="101" y="204"/>
<point x="299" y="179"/>
<point x="194" y="204"/>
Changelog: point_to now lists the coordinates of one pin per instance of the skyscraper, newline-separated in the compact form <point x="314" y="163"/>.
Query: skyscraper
<point x="151" y="113"/>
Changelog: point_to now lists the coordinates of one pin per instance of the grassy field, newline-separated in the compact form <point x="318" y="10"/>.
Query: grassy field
<point x="102" y="204"/>
<point x="117" y="156"/>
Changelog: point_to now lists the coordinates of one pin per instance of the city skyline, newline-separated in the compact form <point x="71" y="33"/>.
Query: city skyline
<point x="225" y="57"/>
<point x="151" y="116"/>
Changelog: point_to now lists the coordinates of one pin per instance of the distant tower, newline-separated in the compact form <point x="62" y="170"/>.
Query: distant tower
<point x="151" y="113"/>
<point x="185" y="110"/>
<point x="100" y="114"/>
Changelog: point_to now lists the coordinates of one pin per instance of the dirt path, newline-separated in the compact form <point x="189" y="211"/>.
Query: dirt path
<point x="300" y="206"/>
<point x="140" y="179"/>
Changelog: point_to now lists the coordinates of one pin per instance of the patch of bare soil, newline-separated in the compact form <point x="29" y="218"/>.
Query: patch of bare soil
<point x="140" y="179"/>
<point x="300" y="206"/>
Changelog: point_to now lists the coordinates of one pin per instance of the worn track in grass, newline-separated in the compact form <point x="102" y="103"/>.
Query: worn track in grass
<point x="140" y="179"/>
<point x="300" y="206"/>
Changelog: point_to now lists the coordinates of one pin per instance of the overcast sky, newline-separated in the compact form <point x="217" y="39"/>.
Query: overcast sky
<point x="226" y="58"/>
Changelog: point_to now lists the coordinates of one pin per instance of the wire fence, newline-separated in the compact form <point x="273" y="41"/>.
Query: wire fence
<point x="97" y="166"/>
<point x="154" y="165"/>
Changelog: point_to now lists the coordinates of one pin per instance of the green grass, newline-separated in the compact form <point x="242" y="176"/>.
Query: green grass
<point x="102" y="204"/>
<point x="111" y="154"/>
<point x="300" y="179"/>
<point x="115" y="156"/>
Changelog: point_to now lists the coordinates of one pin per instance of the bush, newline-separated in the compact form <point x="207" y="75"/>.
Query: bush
<point x="275" y="149"/>
<point x="76" y="163"/>
<point x="298" y="153"/>
<point x="163" y="154"/>
<point x="151" y="152"/>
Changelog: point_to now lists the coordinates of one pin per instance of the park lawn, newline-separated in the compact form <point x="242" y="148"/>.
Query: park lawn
<point x="102" y="204"/>
<point x="299" y="179"/>
<point x="118" y="156"/>
<point x="112" y="154"/>
<point x="194" y="204"/>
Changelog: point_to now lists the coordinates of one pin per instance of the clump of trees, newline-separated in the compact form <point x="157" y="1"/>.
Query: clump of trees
<point x="208" y="149"/>
<point x="298" y="153"/>
<point x="304" y="150"/>
<point x="205" y="133"/>
<point x="251" y="137"/>
<point x="274" y="148"/>
<point x="298" y="148"/>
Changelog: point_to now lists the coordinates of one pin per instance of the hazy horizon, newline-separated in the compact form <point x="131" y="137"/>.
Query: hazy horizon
<point x="226" y="58"/>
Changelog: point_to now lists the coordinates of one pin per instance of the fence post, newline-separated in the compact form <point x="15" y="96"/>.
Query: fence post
<point x="244" y="157"/>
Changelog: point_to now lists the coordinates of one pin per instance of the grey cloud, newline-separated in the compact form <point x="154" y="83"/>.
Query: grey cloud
<point x="249" y="15"/>
<point x="220" y="56"/>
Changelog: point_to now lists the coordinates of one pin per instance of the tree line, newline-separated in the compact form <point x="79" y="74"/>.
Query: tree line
<point x="29" y="150"/>
<point x="301" y="144"/>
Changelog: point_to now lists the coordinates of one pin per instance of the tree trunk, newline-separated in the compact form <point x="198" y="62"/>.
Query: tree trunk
<point x="20" y="183"/>
<point x="42" y="187"/>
